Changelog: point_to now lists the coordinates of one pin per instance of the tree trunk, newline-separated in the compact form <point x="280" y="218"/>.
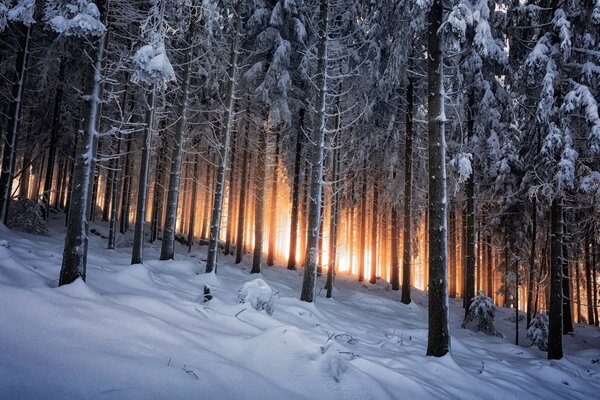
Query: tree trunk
<point x="316" y="181"/>
<point x="335" y="202"/>
<point x="566" y="299"/>
<point x="239" y="244"/>
<point x="374" y="227"/>
<point x="470" y="242"/>
<point x="273" y="206"/>
<point x="363" y="227"/>
<point x="555" y="328"/>
<point x="74" y="261"/>
<point x="452" y="252"/>
<point x="217" y="211"/>
<point x="112" y="230"/>
<point x="532" y="270"/>
<point x="96" y="180"/>
<point x="157" y="195"/>
<point x="578" y="283"/>
<point x="438" y="343"/>
<point x="588" y="277"/>
<point x="167" y="250"/>
<point x="125" y="199"/>
<point x="53" y="142"/>
<point x="231" y="199"/>
<point x="192" y="227"/>
<point x="395" y="273"/>
<point x="137" y="256"/>
<point x="490" y="266"/>
<point x="296" y="193"/>
<point x="10" y="140"/>
<point x="259" y="199"/>
<point x="406" y="237"/>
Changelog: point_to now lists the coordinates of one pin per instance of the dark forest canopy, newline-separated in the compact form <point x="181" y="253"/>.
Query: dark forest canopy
<point x="444" y="145"/>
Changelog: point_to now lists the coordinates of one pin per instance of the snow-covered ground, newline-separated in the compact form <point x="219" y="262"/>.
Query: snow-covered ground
<point x="143" y="333"/>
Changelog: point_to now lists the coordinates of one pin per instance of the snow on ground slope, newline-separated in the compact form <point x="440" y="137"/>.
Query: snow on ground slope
<point x="143" y="333"/>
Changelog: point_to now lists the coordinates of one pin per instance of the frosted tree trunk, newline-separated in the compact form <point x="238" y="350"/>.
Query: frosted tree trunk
<point x="167" y="250"/>
<point x="10" y="140"/>
<point x="259" y="201"/>
<point x="316" y="183"/>
<point x="114" y="203"/>
<point x="335" y="203"/>
<point x="438" y="343"/>
<point x="567" y="310"/>
<point x="373" y="278"/>
<point x="273" y="205"/>
<point x="126" y="196"/>
<point x="157" y="196"/>
<point x="53" y="142"/>
<point x="470" y="228"/>
<point x="490" y="270"/>
<point x="137" y="256"/>
<point x="231" y="200"/>
<point x="239" y="243"/>
<point x="588" y="277"/>
<point x="532" y="269"/>
<point x="96" y="178"/>
<point x="555" y="327"/>
<point x="192" y="227"/>
<point x="452" y="243"/>
<point x="296" y="193"/>
<point x="217" y="211"/>
<point x="407" y="239"/>
<point x="74" y="260"/>
<point x="395" y="273"/>
<point x="363" y="227"/>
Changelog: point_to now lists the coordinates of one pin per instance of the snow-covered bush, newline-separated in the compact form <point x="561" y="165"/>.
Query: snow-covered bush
<point x="26" y="216"/>
<point x="259" y="294"/>
<point x="538" y="332"/>
<point x="482" y="312"/>
<point x="74" y="18"/>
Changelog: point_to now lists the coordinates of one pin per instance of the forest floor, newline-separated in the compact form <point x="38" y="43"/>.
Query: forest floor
<point x="143" y="333"/>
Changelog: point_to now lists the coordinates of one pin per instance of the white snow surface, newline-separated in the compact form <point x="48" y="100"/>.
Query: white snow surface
<point x="141" y="333"/>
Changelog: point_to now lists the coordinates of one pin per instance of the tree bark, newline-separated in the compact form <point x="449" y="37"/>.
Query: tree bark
<point x="231" y="199"/>
<point x="566" y="276"/>
<point x="555" y="328"/>
<point x="167" y="250"/>
<point x="316" y="181"/>
<point x="296" y="193"/>
<point x="438" y="343"/>
<point x="112" y="230"/>
<point x="158" y="192"/>
<point x="137" y="256"/>
<point x="217" y="211"/>
<point x="126" y="196"/>
<point x="53" y="142"/>
<point x="374" y="227"/>
<point x="335" y="203"/>
<point x="363" y="226"/>
<point x="74" y="261"/>
<point x="273" y="205"/>
<point x="588" y="277"/>
<point x="532" y="269"/>
<point x="406" y="237"/>
<point x="239" y="244"/>
<point x="194" y="182"/>
<point x="259" y="200"/>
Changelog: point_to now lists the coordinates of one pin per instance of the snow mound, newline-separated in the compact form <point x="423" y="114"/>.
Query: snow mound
<point x="259" y="294"/>
<point x="25" y="215"/>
